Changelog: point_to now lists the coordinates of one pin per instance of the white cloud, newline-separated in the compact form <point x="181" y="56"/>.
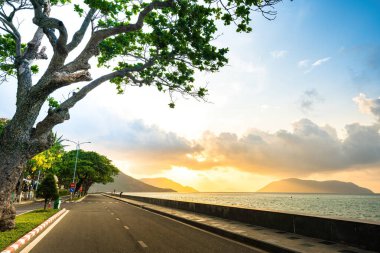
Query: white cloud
<point x="303" y="63"/>
<point x="309" y="66"/>
<point x="279" y="54"/>
<point x="368" y="105"/>
<point x="321" y="61"/>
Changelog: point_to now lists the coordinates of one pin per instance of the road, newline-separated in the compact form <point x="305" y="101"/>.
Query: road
<point x="30" y="206"/>
<point x="27" y="207"/>
<point x="101" y="224"/>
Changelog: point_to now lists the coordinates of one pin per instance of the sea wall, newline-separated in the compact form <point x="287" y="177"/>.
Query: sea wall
<point x="355" y="233"/>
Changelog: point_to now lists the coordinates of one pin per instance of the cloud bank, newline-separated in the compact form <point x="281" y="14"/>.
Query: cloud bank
<point x="307" y="149"/>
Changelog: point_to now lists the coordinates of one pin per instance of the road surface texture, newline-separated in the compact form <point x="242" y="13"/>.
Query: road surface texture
<point x="101" y="224"/>
<point x="27" y="207"/>
<point x="30" y="205"/>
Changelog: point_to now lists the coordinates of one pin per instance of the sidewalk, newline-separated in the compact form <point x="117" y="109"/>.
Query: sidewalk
<point x="264" y="238"/>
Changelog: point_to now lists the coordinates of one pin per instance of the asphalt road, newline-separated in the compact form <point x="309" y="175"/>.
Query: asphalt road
<point x="30" y="206"/>
<point x="27" y="207"/>
<point x="101" y="224"/>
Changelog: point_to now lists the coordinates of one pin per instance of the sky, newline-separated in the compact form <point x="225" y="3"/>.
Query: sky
<point x="300" y="97"/>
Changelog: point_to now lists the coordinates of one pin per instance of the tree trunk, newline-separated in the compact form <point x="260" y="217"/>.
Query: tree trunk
<point x="15" y="150"/>
<point x="11" y="166"/>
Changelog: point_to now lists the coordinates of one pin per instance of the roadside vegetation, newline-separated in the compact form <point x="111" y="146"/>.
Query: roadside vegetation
<point x="91" y="168"/>
<point x="24" y="224"/>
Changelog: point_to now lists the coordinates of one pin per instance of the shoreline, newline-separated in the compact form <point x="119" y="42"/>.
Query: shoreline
<point x="284" y="203"/>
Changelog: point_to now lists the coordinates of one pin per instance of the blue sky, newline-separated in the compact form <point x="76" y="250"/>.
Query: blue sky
<point x="293" y="78"/>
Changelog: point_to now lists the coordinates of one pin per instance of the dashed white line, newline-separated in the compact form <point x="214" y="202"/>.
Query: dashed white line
<point x="142" y="244"/>
<point x="126" y="227"/>
<point x="117" y="219"/>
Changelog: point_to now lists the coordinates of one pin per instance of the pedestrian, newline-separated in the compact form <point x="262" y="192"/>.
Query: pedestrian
<point x="121" y="193"/>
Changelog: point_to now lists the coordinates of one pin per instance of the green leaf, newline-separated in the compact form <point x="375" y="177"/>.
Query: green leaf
<point x="34" y="69"/>
<point x="53" y="103"/>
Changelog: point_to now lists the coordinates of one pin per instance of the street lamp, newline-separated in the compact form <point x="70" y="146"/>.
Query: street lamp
<point x="76" y="157"/>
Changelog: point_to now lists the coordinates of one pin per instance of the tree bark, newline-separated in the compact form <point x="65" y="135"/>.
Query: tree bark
<point x="11" y="166"/>
<point x="16" y="147"/>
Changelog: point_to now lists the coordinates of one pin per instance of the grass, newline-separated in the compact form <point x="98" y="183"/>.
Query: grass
<point x="24" y="224"/>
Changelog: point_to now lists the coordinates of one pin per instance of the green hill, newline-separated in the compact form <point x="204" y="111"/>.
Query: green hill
<point x="124" y="183"/>
<point x="167" y="184"/>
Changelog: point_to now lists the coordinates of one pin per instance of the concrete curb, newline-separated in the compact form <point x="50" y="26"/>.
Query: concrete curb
<point x="224" y="233"/>
<point x="79" y="200"/>
<point x="75" y="201"/>
<point x="26" y="238"/>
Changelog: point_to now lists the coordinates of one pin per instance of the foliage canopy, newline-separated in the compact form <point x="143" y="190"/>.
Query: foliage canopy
<point x="91" y="168"/>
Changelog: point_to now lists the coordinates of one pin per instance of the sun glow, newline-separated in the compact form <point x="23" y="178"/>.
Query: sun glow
<point x="217" y="180"/>
<point x="182" y="175"/>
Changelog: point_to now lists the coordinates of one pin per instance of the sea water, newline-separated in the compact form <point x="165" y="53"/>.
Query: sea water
<point x="357" y="207"/>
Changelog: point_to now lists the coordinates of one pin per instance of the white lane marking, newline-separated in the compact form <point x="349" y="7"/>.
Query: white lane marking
<point x="117" y="219"/>
<point x="142" y="244"/>
<point x="42" y="235"/>
<point x="126" y="227"/>
<point x="186" y="224"/>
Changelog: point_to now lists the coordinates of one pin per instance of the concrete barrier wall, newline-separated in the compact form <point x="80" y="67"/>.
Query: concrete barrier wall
<point x="359" y="234"/>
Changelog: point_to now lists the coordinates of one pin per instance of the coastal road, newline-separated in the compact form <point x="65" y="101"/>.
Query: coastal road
<point x="100" y="224"/>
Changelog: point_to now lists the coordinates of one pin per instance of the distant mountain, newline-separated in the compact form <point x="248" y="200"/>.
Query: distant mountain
<point x="124" y="183"/>
<point x="167" y="183"/>
<point x="294" y="185"/>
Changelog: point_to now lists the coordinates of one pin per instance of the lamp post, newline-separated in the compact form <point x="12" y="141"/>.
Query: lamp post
<point x="77" y="144"/>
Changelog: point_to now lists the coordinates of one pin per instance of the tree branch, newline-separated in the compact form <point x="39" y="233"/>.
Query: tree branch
<point x="59" y="115"/>
<point x="31" y="52"/>
<point x="11" y="29"/>
<point x="91" y="48"/>
<point x="42" y="20"/>
<point x="78" y="36"/>
<point x="70" y="102"/>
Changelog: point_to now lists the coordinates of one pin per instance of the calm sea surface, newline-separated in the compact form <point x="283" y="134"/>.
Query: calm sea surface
<point x="363" y="207"/>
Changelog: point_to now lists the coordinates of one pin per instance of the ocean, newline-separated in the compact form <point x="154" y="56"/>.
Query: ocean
<point x="352" y="207"/>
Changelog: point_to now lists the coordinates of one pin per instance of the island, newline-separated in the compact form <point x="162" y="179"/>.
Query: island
<point x="295" y="185"/>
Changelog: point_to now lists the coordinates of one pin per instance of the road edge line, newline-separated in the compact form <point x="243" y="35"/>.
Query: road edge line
<point x="27" y="237"/>
<point x="33" y="243"/>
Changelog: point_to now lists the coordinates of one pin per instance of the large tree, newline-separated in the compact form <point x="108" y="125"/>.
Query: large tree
<point x="158" y="43"/>
<point x="91" y="168"/>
